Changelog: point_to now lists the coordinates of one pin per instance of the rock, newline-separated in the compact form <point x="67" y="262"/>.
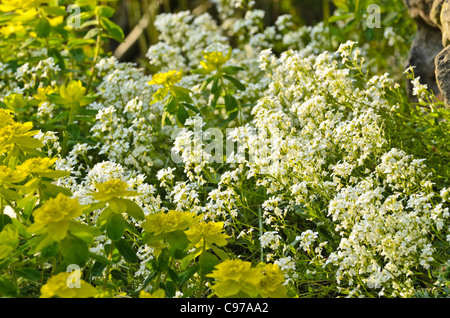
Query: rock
<point x="420" y="10"/>
<point x="425" y="46"/>
<point x="442" y="63"/>
<point x="435" y="13"/>
<point x="430" y="50"/>
<point x="445" y="22"/>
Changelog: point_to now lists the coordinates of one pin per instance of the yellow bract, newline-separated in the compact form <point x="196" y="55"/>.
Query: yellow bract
<point x="235" y="276"/>
<point x="214" y="60"/>
<point x="271" y="285"/>
<point x="160" y="293"/>
<point x="8" y="176"/>
<point x="37" y="165"/>
<point x="16" y="133"/>
<point x="13" y="5"/>
<point x="60" y="286"/>
<point x="72" y="92"/>
<point x="167" y="79"/>
<point x="163" y="223"/>
<point x="56" y="215"/>
<point x="205" y="234"/>
<point x="113" y="188"/>
<point x="5" y="117"/>
<point x="42" y="93"/>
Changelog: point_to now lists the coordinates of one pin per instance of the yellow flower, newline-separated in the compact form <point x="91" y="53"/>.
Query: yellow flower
<point x="5" y="117"/>
<point x="271" y="285"/>
<point x="16" y="28"/>
<point x="163" y="223"/>
<point x="15" y="101"/>
<point x="42" y="93"/>
<point x="160" y="293"/>
<point x="9" y="240"/>
<point x="55" y="215"/>
<point x="13" y="5"/>
<point x="9" y="176"/>
<point x="234" y="278"/>
<point x="16" y="133"/>
<point x="214" y="60"/>
<point x="72" y="92"/>
<point x="113" y="188"/>
<point x="167" y="79"/>
<point x="60" y="286"/>
<point x="37" y="165"/>
<point x="205" y="234"/>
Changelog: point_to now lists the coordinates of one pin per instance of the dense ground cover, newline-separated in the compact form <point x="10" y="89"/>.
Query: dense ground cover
<point x="257" y="161"/>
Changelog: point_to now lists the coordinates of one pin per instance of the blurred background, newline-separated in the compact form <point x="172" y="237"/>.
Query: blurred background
<point x="388" y="44"/>
<point x="139" y="15"/>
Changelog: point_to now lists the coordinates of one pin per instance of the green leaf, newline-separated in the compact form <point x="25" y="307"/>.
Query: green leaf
<point x="116" y="274"/>
<point x="114" y="31"/>
<point x="92" y="32"/>
<point x="171" y="105"/>
<point x="74" y="250"/>
<point x="115" y="226"/>
<point x="55" y="174"/>
<point x="182" y="114"/>
<point x="126" y="251"/>
<point x="163" y="260"/>
<point x="184" y="276"/>
<point x="29" y="142"/>
<point x="133" y="210"/>
<point x="51" y="190"/>
<point x="9" y="195"/>
<point x="100" y="259"/>
<point x="178" y="241"/>
<point x="4" y="219"/>
<point x="97" y="269"/>
<point x="56" y="11"/>
<point x="231" y="117"/>
<point x="42" y="28"/>
<point x="207" y="262"/>
<point x="222" y="255"/>
<point x="29" y="273"/>
<point x="83" y="231"/>
<point x="74" y="131"/>
<point x="231" y="103"/>
<point x="7" y="287"/>
<point x="231" y="70"/>
<point x="235" y="82"/>
<point x="104" y="11"/>
<point x="182" y="94"/>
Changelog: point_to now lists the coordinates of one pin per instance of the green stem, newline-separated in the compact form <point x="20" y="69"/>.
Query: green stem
<point x="94" y="62"/>
<point x="108" y="268"/>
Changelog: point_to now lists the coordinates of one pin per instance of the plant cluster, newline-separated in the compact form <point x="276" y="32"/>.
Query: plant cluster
<point x="258" y="161"/>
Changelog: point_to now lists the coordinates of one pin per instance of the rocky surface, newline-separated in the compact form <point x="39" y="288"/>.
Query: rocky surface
<point x="430" y="50"/>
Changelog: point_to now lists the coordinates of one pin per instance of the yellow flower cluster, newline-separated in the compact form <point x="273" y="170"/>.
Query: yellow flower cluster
<point x="9" y="176"/>
<point x="13" y="5"/>
<point x="60" y="286"/>
<point x="203" y="234"/>
<point x="55" y="216"/>
<point x="37" y="165"/>
<point x="162" y="223"/>
<point x="214" y="60"/>
<point x="168" y="79"/>
<point x="16" y="133"/>
<point x="72" y="92"/>
<point x="237" y="278"/>
<point x="113" y="188"/>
